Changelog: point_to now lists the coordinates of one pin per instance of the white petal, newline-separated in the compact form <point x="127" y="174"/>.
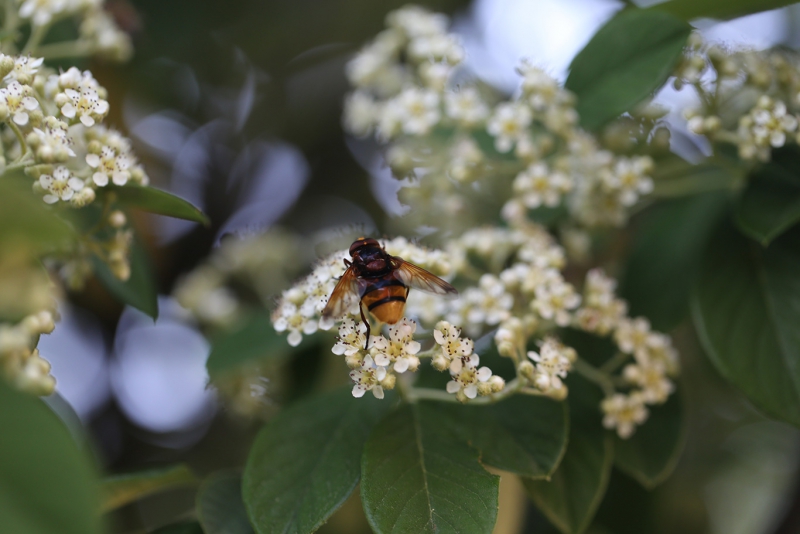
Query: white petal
<point x="471" y="392"/>
<point x="76" y="183"/>
<point x="67" y="194"/>
<point x="87" y="120"/>
<point x="339" y="349"/>
<point x="484" y="374"/>
<point x="358" y="392"/>
<point x="401" y="365"/>
<point x="30" y="103"/>
<point x="378" y="392"/>
<point x="453" y="386"/>
<point x="100" y="179"/>
<point x="72" y="93"/>
<point x="456" y="366"/>
<point x="68" y="110"/>
<point x="21" y="118"/>
<point x="412" y="347"/>
<point x="382" y="359"/>
<point x="26" y="10"/>
<point x="50" y="199"/>
<point x="439" y="337"/>
<point x="381" y="373"/>
<point x="46" y="181"/>
<point x="294" y="338"/>
<point x="100" y="107"/>
<point x="309" y="327"/>
<point x="93" y="160"/>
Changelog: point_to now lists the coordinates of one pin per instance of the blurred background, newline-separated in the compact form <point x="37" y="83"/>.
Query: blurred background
<point x="236" y="107"/>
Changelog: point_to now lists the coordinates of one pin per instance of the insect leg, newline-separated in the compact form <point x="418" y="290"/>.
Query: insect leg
<point x="366" y="323"/>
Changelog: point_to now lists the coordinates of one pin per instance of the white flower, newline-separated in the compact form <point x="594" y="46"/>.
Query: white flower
<point x="41" y="12"/>
<point x="368" y="378"/>
<point x="352" y="338"/>
<point x="651" y="378"/>
<point x="633" y="336"/>
<point x="624" y="412"/>
<point x="400" y="349"/>
<point x="109" y="165"/>
<point x="24" y="69"/>
<point x="52" y="143"/>
<point x="417" y="110"/>
<point x="288" y="317"/>
<point x="466" y="106"/>
<point x="416" y="21"/>
<point x="361" y="113"/>
<point x="601" y="311"/>
<point x="437" y="47"/>
<point x="488" y="303"/>
<point x="466" y="381"/>
<point x="538" y="186"/>
<point x="628" y="179"/>
<point x="18" y="101"/>
<point x="552" y="363"/>
<point x="86" y="105"/>
<point x="61" y="186"/>
<point x="554" y="299"/>
<point x="540" y="88"/>
<point x="452" y="346"/>
<point x="508" y="123"/>
<point x="73" y="78"/>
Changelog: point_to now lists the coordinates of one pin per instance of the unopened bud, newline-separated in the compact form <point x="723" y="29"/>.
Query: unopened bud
<point x="527" y="370"/>
<point x="389" y="381"/>
<point x="117" y="219"/>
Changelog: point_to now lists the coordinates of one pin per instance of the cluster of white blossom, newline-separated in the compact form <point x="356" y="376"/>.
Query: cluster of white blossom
<point x="299" y="310"/>
<point x="20" y="362"/>
<point x="99" y="34"/>
<point x="466" y="145"/>
<point x="746" y="98"/>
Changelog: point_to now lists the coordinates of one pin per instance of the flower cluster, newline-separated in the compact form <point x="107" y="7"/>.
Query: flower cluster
<point x="300" y="308"/>
<point x="20" y="362"/>
<point x="463" y="143"/>
<point x="764" y="86"/>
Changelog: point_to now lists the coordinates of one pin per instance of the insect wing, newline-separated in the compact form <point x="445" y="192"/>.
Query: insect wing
<point x="418" y="278"/>
<point x="344" y="294"/>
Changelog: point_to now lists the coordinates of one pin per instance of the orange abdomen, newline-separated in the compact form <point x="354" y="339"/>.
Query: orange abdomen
<point x="385" y="299"/>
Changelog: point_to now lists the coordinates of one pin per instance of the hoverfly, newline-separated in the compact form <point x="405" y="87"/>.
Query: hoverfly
<point x="381" y="283"/>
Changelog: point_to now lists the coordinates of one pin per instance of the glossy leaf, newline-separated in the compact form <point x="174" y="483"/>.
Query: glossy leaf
<point x="220" y="507"/>
<point x="139" y="291"/>
<point x="160" y="202"/>
<point x="746" y="308"/>
<point x="419" y="476"/>
<point x="120" y="490"/>
<point x="665" y="256"/>
<point x="650" y="455"/>
<point x="626" y="61"/>
<point x="770" y="204"/>
<point x="306" y="462"/>
<point x="254" y="339"/>
<point x="523" y="434"/>
<point x="572" y="495"/>
<point x="718" y="9"/>
<point x="47" y="484"/>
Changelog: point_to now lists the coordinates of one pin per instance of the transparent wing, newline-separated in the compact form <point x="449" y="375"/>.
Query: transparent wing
<point x="418" y="278"/>
<point x="344" y="294"/>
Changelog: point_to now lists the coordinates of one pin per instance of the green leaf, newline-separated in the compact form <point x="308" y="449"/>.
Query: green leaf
<point x="652" y="452"/>
<point x="26" y="221"/>
<point x="306" y="462"/>
<point x="138" y="291"/>
<point x="160" y="202"/>
<point x="220" y="507"/>
<point x="254" y="339"/>
<point x="418" y="476"/>
<point x="47" y="484"/>
<point x="665" y="257"/>
<point x="746" y="309"/>
<point x="523" y="434"/>
<point x="770" y="204"/>
<point x="119" y="490"/>
<point x="718" y="9"/>
<point x="630" y="57"/>
<point x="187" y="527"/>
<point x="572" y="495"/>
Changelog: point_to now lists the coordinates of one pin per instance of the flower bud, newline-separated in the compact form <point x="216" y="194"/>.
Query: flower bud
<point x="439" y="362"/>
<point x="558" y="394"/>
<point x="389" y="382"/>
<point x="485" y="388"/>
<point x="354" y="361"/>
<point x="117" y="219"/>
<point x="6" y="65"/>
<point x="497" y="383"/>
<point x="3" y="112"/>
<point x="527" y="370"/>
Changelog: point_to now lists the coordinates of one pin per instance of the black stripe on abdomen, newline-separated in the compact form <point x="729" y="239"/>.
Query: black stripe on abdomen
<point x="380" y="284"/>
<point x="384" y="301"/>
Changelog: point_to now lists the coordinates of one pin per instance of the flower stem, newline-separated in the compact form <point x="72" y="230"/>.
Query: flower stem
<point x="36" y="37"/>
<point x="613" y="363"/>
<point x="70" y="49"/>
<point x="23" y="145"/>
<point x="514" y="386"/>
